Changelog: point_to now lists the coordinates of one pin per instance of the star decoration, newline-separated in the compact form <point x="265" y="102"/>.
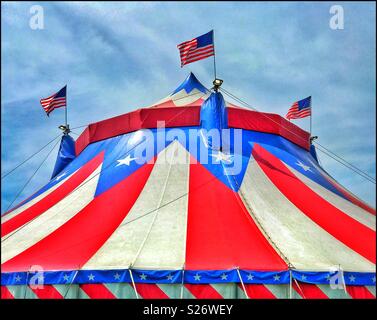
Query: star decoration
<point x="224" y="276"/>
<point x="66" y="277"/>
<point x="303" y="277"/>
<point x="276" y="277"/>
<point x="143" y="276"/>
<point x="117" y="276"/>
<point x="223" y="157"/>
<point x="374" y="279"/>
<point x="91" y="277"/>
<point x="197" y="277"/>
<point x="250" y="276"/>
<point x="169" y="277"/>
<point x="17" y="278"/>
<point x="352" y="278"/>
<point x="125" y="161"/>
<point x="303" y="166"/>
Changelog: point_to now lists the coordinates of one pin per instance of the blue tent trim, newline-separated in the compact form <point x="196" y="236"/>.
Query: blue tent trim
<point x="65" y="155"/>
<point x="190" y="276"/>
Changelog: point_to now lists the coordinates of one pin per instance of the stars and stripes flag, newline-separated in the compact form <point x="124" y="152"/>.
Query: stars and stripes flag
<point x="57" y="100"/>
<point x="300" y="109"/>
<point x="196" y="49"/>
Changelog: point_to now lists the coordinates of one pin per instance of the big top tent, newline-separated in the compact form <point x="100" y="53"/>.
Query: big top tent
<point x="149" y="204"/>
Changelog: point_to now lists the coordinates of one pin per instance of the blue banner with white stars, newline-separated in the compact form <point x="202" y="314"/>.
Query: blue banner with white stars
<point x="190" y="276"/>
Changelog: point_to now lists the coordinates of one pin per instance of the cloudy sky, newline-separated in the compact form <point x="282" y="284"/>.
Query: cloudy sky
<point x="116" y="57"/>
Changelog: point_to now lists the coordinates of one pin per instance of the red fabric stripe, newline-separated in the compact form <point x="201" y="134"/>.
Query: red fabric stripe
<point x="5" y="293"/>
<point x="347" y="230"/>
<point x="150" y="291"/>
<point x="53" y="198"/>
<point x="220" y="232"/>
<point x="269" y="123"/>
<point x="257" y="291"/>
<point x="75" y="242"/>
<point x="309" y="291"/>
<point x="97" y="291"/>
<point x="203" y="291"/>
<point x="359" y="292"/>
<point x="139" y="119"/>
<point x="47" y="292"/>
<point x="191" y="52"/>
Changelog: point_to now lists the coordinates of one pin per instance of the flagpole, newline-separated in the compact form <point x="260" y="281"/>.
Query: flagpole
<point x="66" y="111"/>
<point x="214" y="53"/>
<point x="66" y="106"/>
<point x="311" y="112"/>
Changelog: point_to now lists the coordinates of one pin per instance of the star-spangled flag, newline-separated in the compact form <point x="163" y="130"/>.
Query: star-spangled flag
<point x="300" y="109"/>
<point x="197" y="49"/>
<point x="57" y="100"/>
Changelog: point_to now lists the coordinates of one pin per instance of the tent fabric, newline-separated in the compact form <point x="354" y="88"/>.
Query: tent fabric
<point x="66" y="154"/>
<point x="187" y="291"/>
<point x="170" y="215"/>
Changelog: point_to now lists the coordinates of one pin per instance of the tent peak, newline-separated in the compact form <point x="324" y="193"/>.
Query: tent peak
<point x="189" y="84"/>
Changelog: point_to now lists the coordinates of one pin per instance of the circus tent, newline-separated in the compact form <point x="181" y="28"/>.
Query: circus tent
<point x="148" y="205"/>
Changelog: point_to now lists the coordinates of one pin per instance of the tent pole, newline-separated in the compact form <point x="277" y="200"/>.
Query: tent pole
<point x="183" y="281"/>
<point x="290" y="283"/>
<point x="27" y="279"/>
<point x="214" y="54"/>
<point x="344" y="280"/>
<point x="243" y="285"/>
<point x="69" y="286"/>
<point x="66" y="107"/>
<point x="133" y="283"/>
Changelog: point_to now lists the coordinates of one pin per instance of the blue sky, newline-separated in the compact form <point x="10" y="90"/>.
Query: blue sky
<point x="116" y="57"/>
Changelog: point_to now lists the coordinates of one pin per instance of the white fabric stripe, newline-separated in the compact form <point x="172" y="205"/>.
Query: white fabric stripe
<point x="306" y="245"/>
<point x="342" y="204"/>
<point x="371" y="289"/>
<point x="181" y="98"/>
<point x="50" y="220"/>
<point x="121" y="290"/>
<point x="173" y="291"/>
<point x="164" y="247"/>
<point x="33" y="201"/>
<point x="333" y="293"/>
<point x="338" y="184"/>
<point x="72" y="291"/>
<point x="22" y="292"/>
<point x="226" y="290"/>
<point x="279" y="291"/>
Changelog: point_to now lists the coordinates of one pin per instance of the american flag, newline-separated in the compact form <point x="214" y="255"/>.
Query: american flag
<point x="300" y="109"/>
<point x="196" y="49"/>
<point x="57" y="100"/>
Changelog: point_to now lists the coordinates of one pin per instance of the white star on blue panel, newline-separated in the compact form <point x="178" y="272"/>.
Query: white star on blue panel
<point x="303" y="166"/>
<point x="125" y="161"/>
<point x="250" y="276"/>
<point x="197" y="277"/>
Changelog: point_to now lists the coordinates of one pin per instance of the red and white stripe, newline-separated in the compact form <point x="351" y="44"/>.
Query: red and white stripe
<point x="299" y="290"/>
<point x="295" y="113"/>
<point x="51" y="103"/>
<point x="189" y="52"/>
